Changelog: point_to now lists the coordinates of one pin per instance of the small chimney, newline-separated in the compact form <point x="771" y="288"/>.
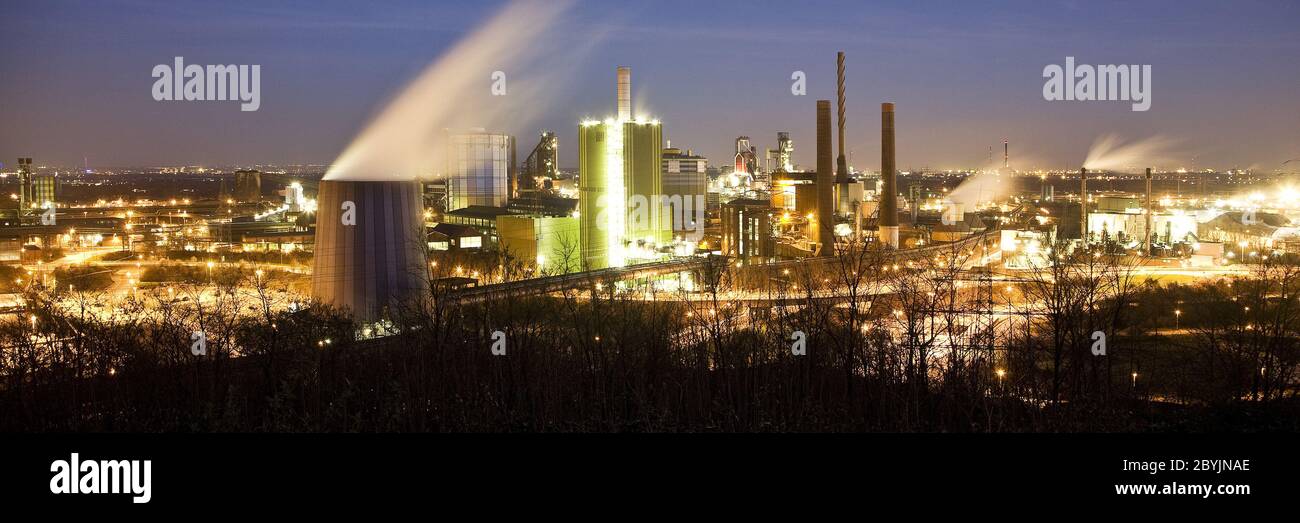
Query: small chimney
<point x="1083" y="205"/>
<point x="624" y="93"/>
<point x="1150" y="211"/>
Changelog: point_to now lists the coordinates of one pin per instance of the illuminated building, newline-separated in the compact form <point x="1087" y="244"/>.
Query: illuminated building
<point x="621" y="218"/>
<point x="746" y="160"/>
<point x="684" y="176"/>
<point x="44" y="187"/>
<point x="542" y="163"/>
<point x="550" y="243"/>
<point x="480" y="167"/>
<point x="24" y="182"/>
<point x="784" y="152"/>
<point x="747" y="230"/>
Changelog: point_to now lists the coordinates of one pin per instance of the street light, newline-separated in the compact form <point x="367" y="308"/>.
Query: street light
<point x="1178" y="314"/>
<point x="1135" y="380"/>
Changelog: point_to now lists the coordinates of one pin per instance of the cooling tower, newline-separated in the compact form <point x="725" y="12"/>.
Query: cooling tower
<point x="889" y="200"/>
<point x="369" y="246"/>
<point x="825" y="225"/>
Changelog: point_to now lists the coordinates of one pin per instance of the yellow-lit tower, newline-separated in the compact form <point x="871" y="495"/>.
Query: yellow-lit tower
<point x="622" y="216"/>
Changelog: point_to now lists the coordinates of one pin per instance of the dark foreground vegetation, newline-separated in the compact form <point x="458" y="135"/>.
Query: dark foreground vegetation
<point x="916" y="348"/>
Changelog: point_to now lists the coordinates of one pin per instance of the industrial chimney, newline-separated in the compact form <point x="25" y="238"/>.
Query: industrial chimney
<point x="1006" y="155"/>
<point x="1149" y="211"/>
<point x="888" y="233"/>
<point x="842" y="165"/>
<point x="369" y="247"/>
<point x="624" y="93"/>
<point x="1083" y="205"/>
<point x="825" y="221"/>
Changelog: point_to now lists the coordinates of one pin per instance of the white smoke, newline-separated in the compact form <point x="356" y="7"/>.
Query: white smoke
<point x="982" y="187"/>
<point x="525" y="41"/>
<point x="1109" y="153"/>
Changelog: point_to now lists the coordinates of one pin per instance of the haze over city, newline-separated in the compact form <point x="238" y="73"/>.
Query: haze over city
<point x="964" y="77"/>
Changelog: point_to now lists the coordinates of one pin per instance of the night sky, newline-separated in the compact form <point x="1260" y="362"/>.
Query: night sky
<point x="75" y="76"/>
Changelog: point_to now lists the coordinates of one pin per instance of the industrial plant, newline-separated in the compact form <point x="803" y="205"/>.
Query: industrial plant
<point x="789" y="220"/>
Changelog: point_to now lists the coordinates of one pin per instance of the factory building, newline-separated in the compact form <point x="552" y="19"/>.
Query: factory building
<point x="684" y="176"/>
<point x="248" y="186"/>
<point x="480" y="168"/>
<point x="746" y="160"/>
<point x="550" y="243"/>
<point x="542" y="165"/>
<point x="747" y="230"/>
<point x="620" y="161"/>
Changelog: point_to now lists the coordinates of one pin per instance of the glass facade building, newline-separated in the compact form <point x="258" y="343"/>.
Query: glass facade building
<point x="480" y="166"/>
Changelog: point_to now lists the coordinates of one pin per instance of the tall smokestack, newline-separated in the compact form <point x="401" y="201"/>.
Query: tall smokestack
<point x="1006" y="155"/>
<point x="1149" y="212"/>
<point x="825" y="225"/>
<point x="624" y="93"/>
<point x="889" y="203"/>
<point x="841" y="163"/>
<point x="1083" y="205"/>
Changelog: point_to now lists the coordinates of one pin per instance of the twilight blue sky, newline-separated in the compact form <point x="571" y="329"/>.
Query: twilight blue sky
<point x="75" y="76"/>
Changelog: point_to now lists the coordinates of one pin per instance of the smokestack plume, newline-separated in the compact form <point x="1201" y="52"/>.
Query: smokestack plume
<point x="825" y="181"/>
<point x="1083" y="204"/>
<point x="624" y="93"/>
<point x="1149" y="211"/>
<point x="841" y="163"/>
<point x="889" y="201"/>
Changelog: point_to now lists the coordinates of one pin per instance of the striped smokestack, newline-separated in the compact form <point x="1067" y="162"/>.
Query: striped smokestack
<point x="841" y="163"/>
<point x="825" y="221"/>
<point x="624" y="93"/>
<point x="888" y="233"/>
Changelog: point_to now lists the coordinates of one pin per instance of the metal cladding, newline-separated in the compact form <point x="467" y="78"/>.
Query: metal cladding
<point x="369" y="246"/>
<point x="1083" y="204"/>
<point x="842" y="165"/>
<point x="888" y="201"/>
<point x="1149" y="211"/>
<point x="825" y="181"/>
<point x="624" y="93"/>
